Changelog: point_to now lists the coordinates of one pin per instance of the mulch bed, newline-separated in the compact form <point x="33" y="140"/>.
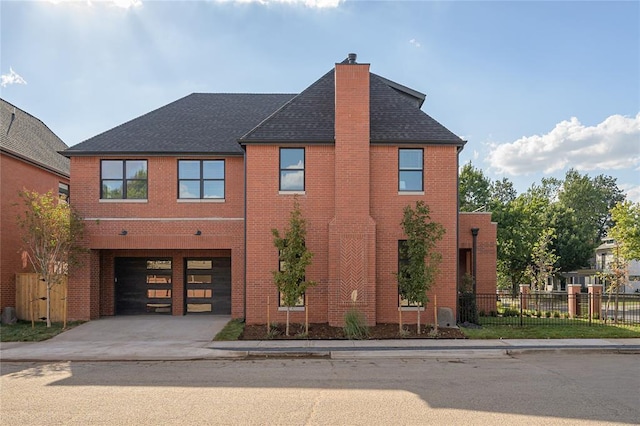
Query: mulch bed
<point x="326" y="332"/>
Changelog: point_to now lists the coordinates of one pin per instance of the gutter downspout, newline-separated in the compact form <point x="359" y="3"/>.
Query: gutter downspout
<point x="244" y="309"/>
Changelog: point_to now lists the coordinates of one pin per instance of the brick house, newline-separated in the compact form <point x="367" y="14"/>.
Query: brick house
<point x="29" y="160"/>
<point x="179" y="203"/>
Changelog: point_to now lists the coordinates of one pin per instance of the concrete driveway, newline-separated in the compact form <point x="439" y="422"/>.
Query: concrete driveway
<point x="189" y="329"/>
<point x="144" y="337"/>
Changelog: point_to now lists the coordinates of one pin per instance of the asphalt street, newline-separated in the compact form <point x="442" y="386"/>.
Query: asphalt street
<point x="529" y="388"/>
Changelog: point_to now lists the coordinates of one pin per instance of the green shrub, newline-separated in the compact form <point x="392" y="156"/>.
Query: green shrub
<point x="547" y="314"/>
<point x="354" y="325"/>
<point x="556" y="314"/>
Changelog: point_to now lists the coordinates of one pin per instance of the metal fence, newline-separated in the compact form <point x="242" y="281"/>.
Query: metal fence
<point x="549" y="309"/>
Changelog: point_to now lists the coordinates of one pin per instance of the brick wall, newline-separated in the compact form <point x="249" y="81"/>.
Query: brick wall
<point x="268" y="209"/>
<point x="16" y="175"/>
<point x="160" y="223"/>
<point x="440" y="194"/>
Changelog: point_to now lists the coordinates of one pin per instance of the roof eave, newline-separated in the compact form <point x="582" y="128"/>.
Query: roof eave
<point x="33" y="162"/>
<point x="149" y="153"/>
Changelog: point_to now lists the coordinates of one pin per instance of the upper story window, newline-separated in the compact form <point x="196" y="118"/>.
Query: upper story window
<point x="63" y="191"/>
<point x="291" y="169"/>
<point x="201" y="179"/>
<point x="123" y="179"/>
<point x="410" y="170"/>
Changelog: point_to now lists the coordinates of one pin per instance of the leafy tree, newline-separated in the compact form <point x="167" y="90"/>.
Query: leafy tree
<point x="626" y="233"/>
<point x="543" y="259"/>
<point x="520" y="223"/>
<point x="474" y="189"/>
<point x="52" y="232"/>
<point x="294" y="258"/>
<point x="416" y="276"/>
<point x="626" y="229"/>
<point x="573" y="242"/>
<point x="592" y="200"/>
<point x="502" y="192"/>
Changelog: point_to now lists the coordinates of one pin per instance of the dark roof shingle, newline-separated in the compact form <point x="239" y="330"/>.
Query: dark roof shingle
<point x="199" y="123"/>
<point x="28" y="138"/>
<point x="395" y="116"/>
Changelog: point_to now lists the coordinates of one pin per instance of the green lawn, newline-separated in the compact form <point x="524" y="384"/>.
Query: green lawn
<point x="552" y="332"/>
<point x="231" y="331"/>
<point x="23" y="332"/>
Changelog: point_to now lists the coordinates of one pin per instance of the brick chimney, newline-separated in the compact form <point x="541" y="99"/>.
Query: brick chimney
<point x="352" y="231"/>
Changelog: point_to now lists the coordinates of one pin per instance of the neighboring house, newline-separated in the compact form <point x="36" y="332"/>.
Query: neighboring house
<point x="180" y="202"/>
<point x="29" y="159"/>
<point x="605" y="254"/>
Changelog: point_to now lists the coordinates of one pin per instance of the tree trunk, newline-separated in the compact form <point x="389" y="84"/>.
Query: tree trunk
<point x="48" y="305"/>
<point x="287" y="326"/>
<point x="418" y="331"/>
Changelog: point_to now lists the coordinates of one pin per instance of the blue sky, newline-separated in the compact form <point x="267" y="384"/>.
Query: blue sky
<point x="535" y="87"/>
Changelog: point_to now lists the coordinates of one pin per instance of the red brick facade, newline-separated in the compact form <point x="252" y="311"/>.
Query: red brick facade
<point x="17" y="175"/>
<point x="350" y="201"/>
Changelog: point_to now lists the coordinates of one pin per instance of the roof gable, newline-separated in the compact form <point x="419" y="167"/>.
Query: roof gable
<point x="395" y="111"/>
<point x="26" y="137"/>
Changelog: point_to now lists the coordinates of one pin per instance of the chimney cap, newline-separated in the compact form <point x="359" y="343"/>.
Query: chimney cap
<point x="351" y="58"/>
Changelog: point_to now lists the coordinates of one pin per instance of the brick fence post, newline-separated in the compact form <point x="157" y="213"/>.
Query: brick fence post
<point x="595" y="300"/>
<point x="573" y="299"/>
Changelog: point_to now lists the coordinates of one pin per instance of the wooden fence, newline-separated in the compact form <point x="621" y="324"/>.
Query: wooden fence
<point x="31" y="303"/>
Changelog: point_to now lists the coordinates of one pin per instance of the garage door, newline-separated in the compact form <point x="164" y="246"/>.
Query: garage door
<point x="143" y="285"/>
<point x="208" y="285"/>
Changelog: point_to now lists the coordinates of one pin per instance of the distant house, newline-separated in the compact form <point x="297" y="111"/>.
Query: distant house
<point x="180" y="202"/>
<point x="604" y="257"/>
<point x="29" y="159"/>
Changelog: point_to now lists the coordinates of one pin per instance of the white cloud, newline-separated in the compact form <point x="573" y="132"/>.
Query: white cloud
<point x="124" y="4"/>
<point x="11" y="78"/>
<point x="415" y="42"/>
<point x="611" y="145"/>
<point x="320" y="4"/>
<point x="632" y="191"/>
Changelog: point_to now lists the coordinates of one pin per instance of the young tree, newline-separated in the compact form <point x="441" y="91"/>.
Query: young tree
<point x="543" y="260"/>
<point x="416" y="276"/>
<point x="52" y="232"/>
<point x="626" y="233"/>
<point x="294" y="259"/>
<point x="626" y="229"/>
<point x="542" y="266"/>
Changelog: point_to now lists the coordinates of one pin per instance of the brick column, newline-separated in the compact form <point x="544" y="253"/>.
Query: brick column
<point x="573" y="299"/>
<point x="352" y="231"/>
<point x="595" y="300"/>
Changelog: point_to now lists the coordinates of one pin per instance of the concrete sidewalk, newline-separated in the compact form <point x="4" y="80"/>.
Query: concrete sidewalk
<point x="153" y="338"/>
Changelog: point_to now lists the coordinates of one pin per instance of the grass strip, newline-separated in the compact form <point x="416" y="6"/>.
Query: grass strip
<point x="23" y="332"/>
<point x="231" y="331"/>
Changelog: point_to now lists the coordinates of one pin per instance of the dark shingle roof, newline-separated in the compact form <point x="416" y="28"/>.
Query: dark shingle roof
<point x="26" y="137"/>
<point x="200" y="123"/>
<point x="395" y="116"/>
<point x="204" y="123"/>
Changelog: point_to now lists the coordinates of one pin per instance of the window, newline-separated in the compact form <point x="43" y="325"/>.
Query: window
<point x="410" y="170"/>
<point x="291" y="169"/>
<point x="63" y="191"/>
<point x="123" y="179"/>
<point x="403" y="262"/>
<point x="201" y="179"/>
<point x="282" y="266"/>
